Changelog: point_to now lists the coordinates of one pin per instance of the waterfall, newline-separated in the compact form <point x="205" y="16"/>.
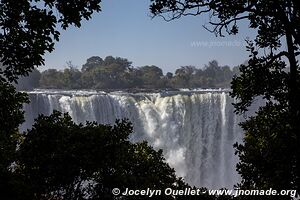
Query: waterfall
<point x="196" y="130"/>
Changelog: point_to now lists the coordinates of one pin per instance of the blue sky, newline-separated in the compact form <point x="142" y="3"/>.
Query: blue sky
<point x="125" y="29"/>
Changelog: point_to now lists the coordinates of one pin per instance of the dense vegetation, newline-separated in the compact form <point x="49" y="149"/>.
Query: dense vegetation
<point x="58" y="159"/>
<point x="117" y="73"/>
<point x="270" y="154"/>
<point x="47" y="161"/>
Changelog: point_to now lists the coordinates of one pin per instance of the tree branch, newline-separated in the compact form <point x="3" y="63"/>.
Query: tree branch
<point x="279" y="55"/>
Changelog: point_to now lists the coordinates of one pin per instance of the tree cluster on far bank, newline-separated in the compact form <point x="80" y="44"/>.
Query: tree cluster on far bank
<point x="118" y="73"/>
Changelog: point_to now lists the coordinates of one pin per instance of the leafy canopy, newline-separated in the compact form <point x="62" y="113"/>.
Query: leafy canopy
<point x="271" y="143"/>
<point x="30" y="28"/>
<point x="63" y="160"/>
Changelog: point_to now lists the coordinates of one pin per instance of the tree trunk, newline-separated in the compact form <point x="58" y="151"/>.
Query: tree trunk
<point x="294" y="99"/>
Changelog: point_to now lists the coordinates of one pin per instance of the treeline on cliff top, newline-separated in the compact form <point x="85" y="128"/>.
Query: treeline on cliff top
<point x="118" y="73"/>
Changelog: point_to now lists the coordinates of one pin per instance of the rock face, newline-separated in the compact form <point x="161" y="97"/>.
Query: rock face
<point x="196" y="130"/>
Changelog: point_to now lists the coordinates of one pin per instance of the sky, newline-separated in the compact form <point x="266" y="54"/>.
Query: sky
<point x="124" y="28"/>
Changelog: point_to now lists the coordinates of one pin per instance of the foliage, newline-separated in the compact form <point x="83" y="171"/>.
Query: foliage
<point x="62" y="160"/>
<point x="30" y="27"/>
<point x="270" y="148"/>
<point x="53" y="78"/>
<point x="11" y="116"/>
<point x="270" y="154"/>
<point x="28" y="30"/>
<point x="265" y="132"/>
<point x="117" y="73"/>
<point x="57" y="158"/>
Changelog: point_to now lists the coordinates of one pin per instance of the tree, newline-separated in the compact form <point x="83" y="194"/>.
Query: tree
<point x="71" y="77"/>
<point x="52" y="78"/>
<point x="117" y="73"/>
<point x="92" y="62"/>
<point x="151" y="76"/>
<point x="169" y="75"/>
<point x="28" y="30"/>
<point x="110" y="73"/>
<point x="183" y="75"/>
<point x="58" y="159"/>
<point x="212" y="71"/>
<point x="63" y="160"/>
<point x="11" y="116"/>
<point x="132" y="78"/>
<point x="263" y="76"/>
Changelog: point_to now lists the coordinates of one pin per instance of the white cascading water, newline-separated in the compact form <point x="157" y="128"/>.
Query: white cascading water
<point x="196" y="130"/>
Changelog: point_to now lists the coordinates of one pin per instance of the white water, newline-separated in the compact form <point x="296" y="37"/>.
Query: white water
<point x="196" y="130"/>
